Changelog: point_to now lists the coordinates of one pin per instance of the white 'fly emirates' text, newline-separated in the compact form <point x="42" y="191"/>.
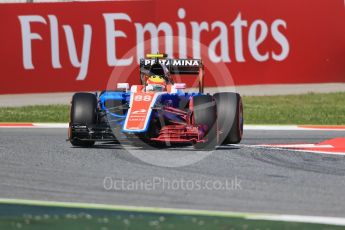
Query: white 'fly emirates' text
<point x="258" y="31"/>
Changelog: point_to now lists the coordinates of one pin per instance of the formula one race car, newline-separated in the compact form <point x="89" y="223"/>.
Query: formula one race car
<point x="158" y="112"/>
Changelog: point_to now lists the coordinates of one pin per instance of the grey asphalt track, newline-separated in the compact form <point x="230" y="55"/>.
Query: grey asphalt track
<point x="39" y="164"/>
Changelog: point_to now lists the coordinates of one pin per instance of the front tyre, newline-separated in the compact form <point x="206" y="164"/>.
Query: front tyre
<point x="83" y="112"/>
<point x="230" y="117"/>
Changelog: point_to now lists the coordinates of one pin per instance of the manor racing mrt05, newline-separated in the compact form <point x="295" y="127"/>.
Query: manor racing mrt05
<point x="158" y="112"/>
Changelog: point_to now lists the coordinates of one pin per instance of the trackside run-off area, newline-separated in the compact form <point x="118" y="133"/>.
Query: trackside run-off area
<point x="288" y="109"/>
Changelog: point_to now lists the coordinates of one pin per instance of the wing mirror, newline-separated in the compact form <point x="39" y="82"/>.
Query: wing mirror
<point x="123" y="86"/>
<point x="180" y="85"/>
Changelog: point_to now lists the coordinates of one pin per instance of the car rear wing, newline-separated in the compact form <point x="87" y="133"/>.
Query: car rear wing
<point x="175" y="66"/>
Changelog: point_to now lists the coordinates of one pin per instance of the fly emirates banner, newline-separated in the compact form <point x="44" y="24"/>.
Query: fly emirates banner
<point x="77" y="46"/>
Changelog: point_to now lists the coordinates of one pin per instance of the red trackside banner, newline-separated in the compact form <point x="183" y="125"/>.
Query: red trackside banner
<point x="77" y="46"/>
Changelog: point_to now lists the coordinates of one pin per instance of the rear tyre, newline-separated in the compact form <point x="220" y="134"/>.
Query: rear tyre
<point x="205" y="113"/>
<point x="230" y="117"/>
<point x="83" y="112"/>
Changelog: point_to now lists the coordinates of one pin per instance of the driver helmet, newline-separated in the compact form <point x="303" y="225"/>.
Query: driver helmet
<point x="156" y="83"/>
<point x="158" y="78"/>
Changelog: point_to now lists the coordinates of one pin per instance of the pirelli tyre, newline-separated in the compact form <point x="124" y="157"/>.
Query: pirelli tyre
<point x="230" y="117"/>
<point x="83" y="112"/>
<point x="205" y="113"/>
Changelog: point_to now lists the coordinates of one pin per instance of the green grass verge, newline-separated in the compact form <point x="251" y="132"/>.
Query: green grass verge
<point x="322" y="109"/>
<point x="39" y="113"/>
<point x="33" y="217"/>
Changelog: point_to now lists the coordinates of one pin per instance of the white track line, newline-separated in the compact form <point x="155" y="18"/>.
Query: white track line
<point x="297" y="146"/>
<point x="50" y="125"/>
<point x="33" y="125"/>
<point x="289" y="149"/>
<point x="287" y="128"/>
<point x="302" y="219"/>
